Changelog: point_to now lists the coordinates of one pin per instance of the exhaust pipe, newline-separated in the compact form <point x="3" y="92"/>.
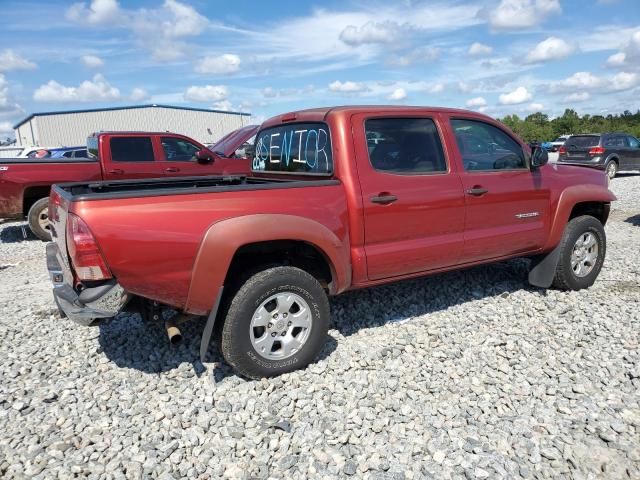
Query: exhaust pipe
<point x="173" y="332"/>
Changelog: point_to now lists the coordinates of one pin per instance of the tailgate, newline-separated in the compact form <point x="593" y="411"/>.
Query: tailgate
<point x="58" y="213"/>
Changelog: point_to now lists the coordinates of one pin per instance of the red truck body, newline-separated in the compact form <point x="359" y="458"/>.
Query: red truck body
<point x="359" y="225"/>
<point x="25" y="181"/>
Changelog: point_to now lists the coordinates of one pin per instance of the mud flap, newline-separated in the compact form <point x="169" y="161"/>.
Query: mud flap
<point x="208" y="328"/>
<point x="543" y="269"/>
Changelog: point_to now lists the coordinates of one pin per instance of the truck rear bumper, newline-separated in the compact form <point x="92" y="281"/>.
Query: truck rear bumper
<point x="91" y="304"/>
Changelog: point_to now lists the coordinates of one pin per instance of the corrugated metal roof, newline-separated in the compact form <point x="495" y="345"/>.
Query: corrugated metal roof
<point x="128" y="107"/>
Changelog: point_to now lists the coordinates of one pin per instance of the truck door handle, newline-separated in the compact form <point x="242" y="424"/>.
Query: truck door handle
<point x="116" y="171"/>
<point x="383" y="198"/>
<point x="172" y="169"/>
<point x="477" y="191"/>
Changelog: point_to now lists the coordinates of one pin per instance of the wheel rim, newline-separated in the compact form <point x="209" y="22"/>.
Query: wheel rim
<point x="611" y="170"/>
<point x="280" y="326"/>
<point x="43" y="219"/>
<point x="585" y="254"/>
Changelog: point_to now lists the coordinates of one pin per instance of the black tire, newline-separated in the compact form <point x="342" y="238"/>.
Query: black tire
<point x="35" y="212"/>
<point x="565" y="277"/>
<point x="611" y="169"/>
<point x="235" y="341"/>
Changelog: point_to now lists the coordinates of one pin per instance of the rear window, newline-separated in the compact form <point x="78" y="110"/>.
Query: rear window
<point x="582" y="141"/>
<point x="301" y="148"/>
<point x="131" y="149"/>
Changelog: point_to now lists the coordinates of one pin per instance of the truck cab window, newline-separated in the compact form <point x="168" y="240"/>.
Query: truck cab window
<point x="404" y="145"/>
<point x="179" y="150"/>
<point x="131" y="149"/>
<point x="485" y="147"/>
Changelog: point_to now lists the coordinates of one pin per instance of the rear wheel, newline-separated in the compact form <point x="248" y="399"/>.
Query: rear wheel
<point x="38" y="219"/>
<point x="582" y="252"/>
<point x="611" y="169"/>
<point x="276" y="323"/>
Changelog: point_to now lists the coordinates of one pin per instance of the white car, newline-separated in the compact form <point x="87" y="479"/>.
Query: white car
<point x="558" y="142"/>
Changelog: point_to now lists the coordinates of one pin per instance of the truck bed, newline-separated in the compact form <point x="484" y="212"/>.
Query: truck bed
<point x="178" y="186"/>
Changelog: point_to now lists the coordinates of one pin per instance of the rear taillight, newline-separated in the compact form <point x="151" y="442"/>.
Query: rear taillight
<point x="596" y="151"/>
<point x="562" y="151"/>
<point x="85" y="254"/>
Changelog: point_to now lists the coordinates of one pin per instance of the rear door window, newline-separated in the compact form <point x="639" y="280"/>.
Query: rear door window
<point x="131" y="149"/>
<point x="405" y="145"/>
<point x="582" y="141"/>
<point x="300" y="148"/>
<point x="179" y="150"/>
<point x="633" y="142"/>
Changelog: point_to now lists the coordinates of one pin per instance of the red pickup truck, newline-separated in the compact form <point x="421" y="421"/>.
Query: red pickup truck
<point x="339" y="198"/>
<point x="25" y="182"/>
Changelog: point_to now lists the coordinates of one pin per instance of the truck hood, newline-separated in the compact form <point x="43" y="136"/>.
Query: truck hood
<point x="228" y="144"/>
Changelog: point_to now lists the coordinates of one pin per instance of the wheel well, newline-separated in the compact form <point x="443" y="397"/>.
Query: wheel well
<point x="32" y="195"/>
<point x="253" y="257"/>
<point x="599" y="210"/>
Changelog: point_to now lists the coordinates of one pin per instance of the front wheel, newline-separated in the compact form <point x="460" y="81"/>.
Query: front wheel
<point x="39" y="219"/>
<point x="582" y="252"/>
<point x="276" y="323"/>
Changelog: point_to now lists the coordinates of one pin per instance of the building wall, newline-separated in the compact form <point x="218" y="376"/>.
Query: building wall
<point x="70" y="129"/>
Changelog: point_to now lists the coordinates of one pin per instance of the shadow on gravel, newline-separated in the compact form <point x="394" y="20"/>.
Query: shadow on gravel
<point x="131" y="343"/>
<point x="634" y="220"/>
<point x="16" y="233"/>
<point x="404" y="300"/>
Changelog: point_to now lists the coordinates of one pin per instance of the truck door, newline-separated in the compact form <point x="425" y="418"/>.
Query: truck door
<point x="507" y="205"/>
<point x="129" y="156"/>
<point x="412" y="197"/>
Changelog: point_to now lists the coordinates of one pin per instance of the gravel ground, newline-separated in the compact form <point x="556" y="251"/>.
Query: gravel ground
<point x="465" y="375"/>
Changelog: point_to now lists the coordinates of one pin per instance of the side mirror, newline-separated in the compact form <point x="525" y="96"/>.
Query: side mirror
<point x="539" y="157"/>
<point x="204" y="156"/>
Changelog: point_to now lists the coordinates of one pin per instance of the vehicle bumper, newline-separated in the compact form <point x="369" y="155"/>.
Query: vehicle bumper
<point x="91" y="304"/>
<point x="586" y="163"/>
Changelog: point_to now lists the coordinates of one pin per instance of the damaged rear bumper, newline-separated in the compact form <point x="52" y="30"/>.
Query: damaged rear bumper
<point x="91" y="304"/>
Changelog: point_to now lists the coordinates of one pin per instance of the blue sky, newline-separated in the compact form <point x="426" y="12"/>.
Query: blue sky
<point x="496" y="56"/>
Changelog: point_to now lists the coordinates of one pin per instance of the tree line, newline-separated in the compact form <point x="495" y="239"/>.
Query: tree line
<point x="538" y="127"/>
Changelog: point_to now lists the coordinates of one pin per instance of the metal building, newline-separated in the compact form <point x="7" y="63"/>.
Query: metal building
<point x="71" y="128"/>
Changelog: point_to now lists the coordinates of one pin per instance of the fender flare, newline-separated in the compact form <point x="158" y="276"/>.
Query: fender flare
<point x="223" y="239"/>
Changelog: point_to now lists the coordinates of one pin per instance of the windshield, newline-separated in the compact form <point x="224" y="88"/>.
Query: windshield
<point x="303" y="148"/>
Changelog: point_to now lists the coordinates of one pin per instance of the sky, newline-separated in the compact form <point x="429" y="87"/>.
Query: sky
<point x="495" y="56"/>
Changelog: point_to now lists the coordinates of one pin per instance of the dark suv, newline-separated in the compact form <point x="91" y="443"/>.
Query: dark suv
<point x="612" y="152"/>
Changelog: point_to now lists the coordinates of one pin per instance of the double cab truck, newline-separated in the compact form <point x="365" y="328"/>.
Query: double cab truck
<point x="338" y="199"/>
<point x="25" y="182"/>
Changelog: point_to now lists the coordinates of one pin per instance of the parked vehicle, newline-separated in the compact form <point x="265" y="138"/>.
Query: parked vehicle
<point x="340" y="198"/>
<point x="612" y="152"/>
<point x="556" y="144"/>
<point x="69" y="152"/>
<point x="25" y="182"/>
<point x="229" y="146"/>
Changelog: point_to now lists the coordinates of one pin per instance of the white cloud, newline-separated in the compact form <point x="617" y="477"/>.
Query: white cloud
<point x="535" y="107"/>
<point x="92" y="61"/>
<point x="208" y="93"/>
<point x="418" y="55"/>
<point x="477" y="102"/>
<point x="478" y="49"/>
<point x="587" y="81"/>
<point x="224" y="105"/>
<point x="95" y="90"/>
<point x="577" y="97"/>
<point x="347" y="87"/>
<point x="6" y="130"/>
<point x="398" y="94"/>
<point x="226" y="64"/>
<point x="629" y="54"/>
<point x="465" y="87"/>
<point x="8" y="108"/>
<point x="517" y="96"/>
<point x="138" y="94"/>
<point x="435" y="88"/>
<point x="370" y="32"/>
<point x="518" y="14"/>
<point x="158" y="30"/>
<point x="552" y="48"/>
<point x="9" y="60"/>
<point x="99" y="12"/>
<point x="269" y="92"/>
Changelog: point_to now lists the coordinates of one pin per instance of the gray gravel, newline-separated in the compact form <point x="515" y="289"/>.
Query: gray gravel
<point x="465" y="375"/>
